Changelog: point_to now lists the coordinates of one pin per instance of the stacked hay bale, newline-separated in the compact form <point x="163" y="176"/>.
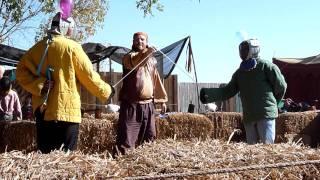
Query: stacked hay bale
<point x="297" y="126"/>
<point x="293" y="126"/>
<point x="210" y="159"/>
<point x="184" y="126"/>
<point x="97" y="135"/>
<point x="226" y="124"/>
<point x="230" y="161"/>
<point x="17" y="135"/>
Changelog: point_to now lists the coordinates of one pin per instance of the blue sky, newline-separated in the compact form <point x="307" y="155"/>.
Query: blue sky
<point x="285" y="28"/>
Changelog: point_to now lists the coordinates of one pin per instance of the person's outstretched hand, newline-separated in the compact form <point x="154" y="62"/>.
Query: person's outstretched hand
<point x="203" y="96"/>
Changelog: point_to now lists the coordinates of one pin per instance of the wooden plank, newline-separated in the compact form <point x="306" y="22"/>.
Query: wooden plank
<point x="171" y="85"/>
<point x="188" y="94"/>
<point x="175" y="93"/>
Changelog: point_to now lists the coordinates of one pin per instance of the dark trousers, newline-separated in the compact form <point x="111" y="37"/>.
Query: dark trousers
<point x="52" y="135"/>
<point x="136" y="124"/>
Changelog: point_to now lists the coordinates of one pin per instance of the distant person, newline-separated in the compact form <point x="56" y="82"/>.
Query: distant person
<point x="27" y="112"/>
<point x="2" y="70"/>
<point x="261" y="86"/>
<point x="65" y="66"/>
<point x="10" y="107"/>
<point x="141" y="89"/>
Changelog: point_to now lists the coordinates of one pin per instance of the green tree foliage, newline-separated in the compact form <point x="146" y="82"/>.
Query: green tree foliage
<point x="17" y="15"/>
<point x="88" y="16"/>
<point x="147" y="5"/>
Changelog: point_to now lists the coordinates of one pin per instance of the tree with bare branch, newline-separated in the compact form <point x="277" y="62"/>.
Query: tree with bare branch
<point x="16" y="15"/>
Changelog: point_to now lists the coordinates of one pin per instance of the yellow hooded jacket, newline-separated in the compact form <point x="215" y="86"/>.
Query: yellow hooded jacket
<point x="70" y="64"/>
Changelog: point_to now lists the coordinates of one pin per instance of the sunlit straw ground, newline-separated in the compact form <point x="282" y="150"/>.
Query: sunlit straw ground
<point x="163" y="157"/>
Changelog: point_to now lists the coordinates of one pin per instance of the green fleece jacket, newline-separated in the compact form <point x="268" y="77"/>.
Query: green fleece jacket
<point x="261" y="89"/>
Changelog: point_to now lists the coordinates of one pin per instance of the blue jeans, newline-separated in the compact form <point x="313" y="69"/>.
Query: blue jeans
<point x="263" y="130"/>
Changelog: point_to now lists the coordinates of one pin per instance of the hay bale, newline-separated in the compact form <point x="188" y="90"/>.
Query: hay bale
<point x="225" y="123"/>
<point x="222" y="120"/>
<point x="168" y="156"/>
<point x="17" y="135"/>
<point x="294" y="122"/>
<point x="183" y="126"/>
<point x="97" y="135"/>
<point x="297" y="126"/>
<point x="293" y="126"/>
<point x="171" y="156"/>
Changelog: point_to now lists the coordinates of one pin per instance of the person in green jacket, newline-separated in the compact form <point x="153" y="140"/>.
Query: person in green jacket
<point x="261" y="86"/>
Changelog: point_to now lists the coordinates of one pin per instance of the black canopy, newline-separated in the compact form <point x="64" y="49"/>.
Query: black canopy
<point x="167" y="57"/>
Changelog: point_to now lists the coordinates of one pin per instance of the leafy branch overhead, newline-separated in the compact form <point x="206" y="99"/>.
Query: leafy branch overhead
<point x="15" y="14"/>
<point x="35" y="15"/>
<point x="21" y="16"/>
<point x="147" y="5"/>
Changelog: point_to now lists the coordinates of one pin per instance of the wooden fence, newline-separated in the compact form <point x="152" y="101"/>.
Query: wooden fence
<point x="180" y="95"/>
<point x="92" y="104"/>
<point x="188" y="95"/>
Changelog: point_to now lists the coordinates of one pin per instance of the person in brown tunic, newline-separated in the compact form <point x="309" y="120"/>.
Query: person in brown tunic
<point x="141" y="89"/>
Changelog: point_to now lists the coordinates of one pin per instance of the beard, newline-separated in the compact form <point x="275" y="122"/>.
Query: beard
<point x="139" y="47"/>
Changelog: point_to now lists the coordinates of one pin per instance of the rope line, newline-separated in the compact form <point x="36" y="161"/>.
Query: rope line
<point x="174" y="63"/>
<point x="87" y="104"/>
<point x="225" y="170"/>
<point x="132" y="69"/>
<point x="117" y="83"/>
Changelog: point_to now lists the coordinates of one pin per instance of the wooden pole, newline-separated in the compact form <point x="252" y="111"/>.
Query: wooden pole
<point x="110" y="77"/>
<point x="98" y="110"/>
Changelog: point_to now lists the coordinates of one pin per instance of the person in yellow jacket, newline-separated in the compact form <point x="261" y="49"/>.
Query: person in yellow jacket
<point x="58" y="124"/>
